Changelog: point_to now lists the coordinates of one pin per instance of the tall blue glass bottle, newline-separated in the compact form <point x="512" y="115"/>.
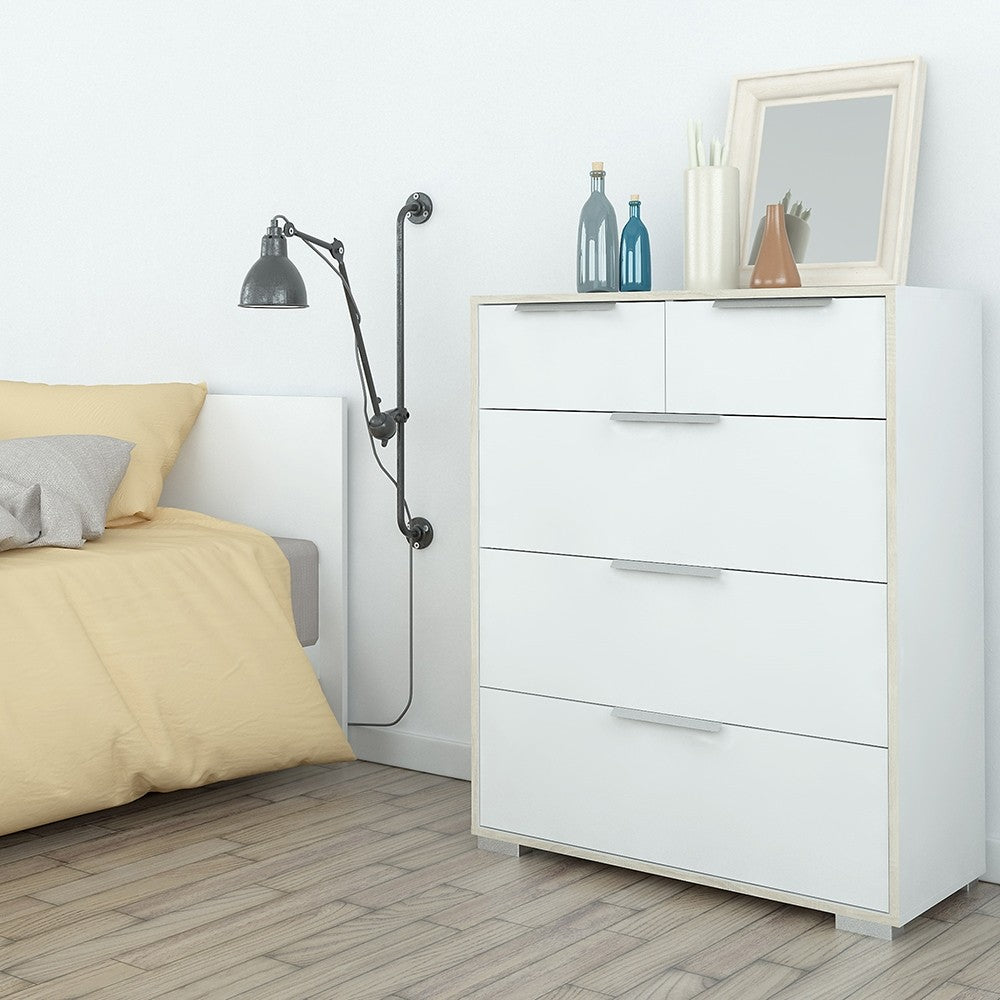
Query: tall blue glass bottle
<point x="635" y="273"/>
<point x="597" y="239"/>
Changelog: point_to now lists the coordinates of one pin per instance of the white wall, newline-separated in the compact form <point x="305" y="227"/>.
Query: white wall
<point x="144" y="146"/>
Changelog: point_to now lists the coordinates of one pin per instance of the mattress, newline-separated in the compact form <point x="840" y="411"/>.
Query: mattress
<point x="161" y="656"/>
<point x="303" y="565"/>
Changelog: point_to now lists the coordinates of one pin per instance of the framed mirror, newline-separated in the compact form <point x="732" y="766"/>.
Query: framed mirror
<point x="839" y="146"/>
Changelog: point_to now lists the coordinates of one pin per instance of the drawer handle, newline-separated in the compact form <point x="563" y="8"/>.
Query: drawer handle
<point x="670" y="569"/>
<point x="667" y="418"/>
<point x="563" y="306"/>
<point x="659" y="719"/>
<point x="810" y="303"/>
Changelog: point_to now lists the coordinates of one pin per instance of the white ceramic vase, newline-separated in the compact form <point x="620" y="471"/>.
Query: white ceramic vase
<point x="711" y="228"/>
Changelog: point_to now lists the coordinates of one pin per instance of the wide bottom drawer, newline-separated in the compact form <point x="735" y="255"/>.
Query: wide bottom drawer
<point x="795" y="813"/>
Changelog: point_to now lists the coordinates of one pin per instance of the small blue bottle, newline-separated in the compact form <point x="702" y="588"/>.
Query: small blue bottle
<point x="634" y="257"/>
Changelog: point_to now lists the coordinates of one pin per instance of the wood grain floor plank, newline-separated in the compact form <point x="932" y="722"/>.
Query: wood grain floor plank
<point x="863" y="961"/>
<point x="9" y="985"/>
<point x="161" y="806"/>
<point x="82" y="982"/>
<point x="46" y="916"/>
<point x="557" y="967"/>
<point x="442" y="846"/>
<point x="152" y="829"/>
<point x="40" y="883"/>
<point x="251" y="932"/>
<point x="983" y="972"/>
<point x="234" y="981"/>
<point x="137" y="844"/>
<point x="414" y="781"/>
<point x="752" y="943"/>
<point x="138" y="934"/>
<point x="409" y="939"/>
<point x="89" y="884"/>
<point x="13" y="911"/>
<point x="429" y="902"/>
<point x="319" y="813"/>
<point x="255" y="871"/>
<point x="404" y="819"/>
<point x="449" y="789"/>
<point x="946" y="957"/>
<point x="370" y="925"/>
<point x="313" y="832"/>
<point x="325" y="783"/>
<point x="661" y="918"/>
<point x="593" y="916"/>
<point x="29" y="847"/>
<point x="458" y="823"/>
<point x="24" y="867"/>
<point x="370" y="848"/>
<point x="538" y="882"/>
<point x="956" y="991"/>
<point x="967" y="901"/>
<point x="569" y="992"/>
<point x="991" y="906"/>
<point x="352" y="781"/>
<point x="672" y="984"/>
<point x="19" y="958"/>
<point x="671" y="949"/>
<point x="555" y="904"/>
<point x="407" y="969"/>
<point x="758" y="981"/>
<point x="649" y="890"/>
<point x="818" y="945"/>
<point x="413" y="882"/>
<point x="246" y="938"/>
<point x="355" y="934"/>
<point x="353" y="788"/>
<point x="525" y="951"/>
<point x="524" y="868"/>
<point x="171" y="981"/>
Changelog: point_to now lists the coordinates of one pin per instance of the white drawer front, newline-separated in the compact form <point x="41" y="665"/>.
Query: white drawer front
<point x="783" y="495"/>
<point x="797" y="654"/>
<point x="572" y="356"/>
<point x="798" y="360"/>
<point x="789" y="812"/>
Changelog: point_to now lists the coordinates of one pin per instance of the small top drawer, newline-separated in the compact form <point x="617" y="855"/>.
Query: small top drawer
<point x="572" y="356"/>
<point x="780" y="357"/>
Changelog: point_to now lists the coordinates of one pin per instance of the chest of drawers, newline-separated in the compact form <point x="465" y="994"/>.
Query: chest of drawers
<point x="728" y="590"/>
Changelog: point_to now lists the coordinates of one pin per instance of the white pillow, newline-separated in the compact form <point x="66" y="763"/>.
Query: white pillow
<point x="56" y="490"/>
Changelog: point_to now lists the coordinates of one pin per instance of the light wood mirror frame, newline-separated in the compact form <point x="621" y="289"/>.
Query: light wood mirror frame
<point x="903" y="80"/>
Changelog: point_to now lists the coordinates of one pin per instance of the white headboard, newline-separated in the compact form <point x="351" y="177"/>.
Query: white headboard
<point x="278" y="463"/>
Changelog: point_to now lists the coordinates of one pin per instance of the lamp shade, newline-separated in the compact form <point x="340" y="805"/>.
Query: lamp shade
<point x="274" y="281"/>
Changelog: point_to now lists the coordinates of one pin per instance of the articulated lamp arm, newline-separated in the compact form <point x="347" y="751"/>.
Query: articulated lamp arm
<point x="383" y="425"/>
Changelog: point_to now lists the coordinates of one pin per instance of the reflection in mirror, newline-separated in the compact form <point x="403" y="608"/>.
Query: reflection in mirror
<point x="831" y="156"/>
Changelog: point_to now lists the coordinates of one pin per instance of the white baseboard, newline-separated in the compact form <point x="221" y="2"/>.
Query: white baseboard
<point x="992" y="861"/>
<point x="418" y="753"/>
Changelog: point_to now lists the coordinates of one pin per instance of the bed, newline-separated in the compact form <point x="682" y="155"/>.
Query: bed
<point x="164" y="654"/>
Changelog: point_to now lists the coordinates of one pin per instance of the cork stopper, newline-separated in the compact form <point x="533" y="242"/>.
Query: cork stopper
<point x="597" y="166"/>
<point x="633" y="197"/>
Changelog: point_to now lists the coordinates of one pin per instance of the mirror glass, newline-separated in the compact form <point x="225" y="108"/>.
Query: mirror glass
<point x="831" y="156"/>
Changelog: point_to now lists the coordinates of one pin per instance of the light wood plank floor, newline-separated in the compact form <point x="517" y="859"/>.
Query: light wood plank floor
<point x="359" y="881"/>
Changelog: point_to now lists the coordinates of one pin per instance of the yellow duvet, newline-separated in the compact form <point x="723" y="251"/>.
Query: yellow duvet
<point x="160" y="656"/>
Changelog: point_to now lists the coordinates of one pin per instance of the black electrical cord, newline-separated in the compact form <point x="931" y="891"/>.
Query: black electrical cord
<point x="389" y="476"/>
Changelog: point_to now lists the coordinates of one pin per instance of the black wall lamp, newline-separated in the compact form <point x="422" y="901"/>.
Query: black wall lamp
<point x="274" y="282"/>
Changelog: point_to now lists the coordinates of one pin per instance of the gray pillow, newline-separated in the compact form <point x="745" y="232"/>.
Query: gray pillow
<point x="56" y="490"/>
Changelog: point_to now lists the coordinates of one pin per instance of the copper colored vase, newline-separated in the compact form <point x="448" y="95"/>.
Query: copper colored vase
<point x="775" y="267"/>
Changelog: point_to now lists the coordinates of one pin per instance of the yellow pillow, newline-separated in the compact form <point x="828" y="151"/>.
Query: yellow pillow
<point x="156" y="418"/>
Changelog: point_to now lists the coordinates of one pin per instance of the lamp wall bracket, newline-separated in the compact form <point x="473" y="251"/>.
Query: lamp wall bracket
<point x="420" y="207"/>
